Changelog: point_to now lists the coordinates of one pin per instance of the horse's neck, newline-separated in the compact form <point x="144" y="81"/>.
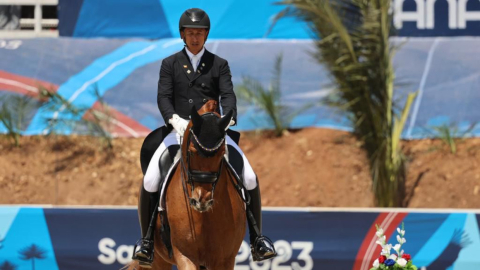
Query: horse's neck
<point x="210" y="106"/>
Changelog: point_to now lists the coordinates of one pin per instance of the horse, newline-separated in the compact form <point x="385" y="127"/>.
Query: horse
<point x="204" y="204"/>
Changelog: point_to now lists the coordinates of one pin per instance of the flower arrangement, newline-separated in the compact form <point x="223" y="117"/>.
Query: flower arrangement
<point x="398" y="261"/>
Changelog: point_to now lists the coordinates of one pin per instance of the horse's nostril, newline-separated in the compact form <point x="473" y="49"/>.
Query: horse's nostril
<point x="193" y="202"/>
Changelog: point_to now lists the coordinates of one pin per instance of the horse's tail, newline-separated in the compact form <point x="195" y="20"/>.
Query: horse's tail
<point x="134" y="265"/>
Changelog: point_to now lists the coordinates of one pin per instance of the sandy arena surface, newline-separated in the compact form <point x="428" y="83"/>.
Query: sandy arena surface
<point x="309" y="167"/>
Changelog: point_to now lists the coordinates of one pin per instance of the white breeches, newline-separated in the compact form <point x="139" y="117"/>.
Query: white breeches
<point x="151" y="179"/>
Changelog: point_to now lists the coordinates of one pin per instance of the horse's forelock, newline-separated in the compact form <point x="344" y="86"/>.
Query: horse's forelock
<point x="209" y="133"/>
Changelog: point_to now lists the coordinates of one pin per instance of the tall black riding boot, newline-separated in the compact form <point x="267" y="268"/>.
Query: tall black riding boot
<point x="147" y="212"/>
<point x="261" y="246"/>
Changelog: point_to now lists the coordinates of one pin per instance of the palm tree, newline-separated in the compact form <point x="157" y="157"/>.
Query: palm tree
<point x="270" y="99"/>
<point x="353" y="44"/>
<point x="7" y="266"/>
<point x="97" y="122"/>
<point x="13" y="114"/>
<point x="31" y="253"/>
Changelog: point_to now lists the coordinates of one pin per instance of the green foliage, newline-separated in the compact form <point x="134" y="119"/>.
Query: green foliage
<point x="353" y="44"/>
<point x="15" y="110"/>
<point x="270" y="100"/>
<point x="13" y="115"/>
<point x="84" y="120"/>
<point x="408" y="266"/>
<point x="449" y="134"/>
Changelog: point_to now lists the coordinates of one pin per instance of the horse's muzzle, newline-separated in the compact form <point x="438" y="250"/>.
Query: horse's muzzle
<point x="201" y="206"/>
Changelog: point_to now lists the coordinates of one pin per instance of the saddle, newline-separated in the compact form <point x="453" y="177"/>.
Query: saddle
<point x="151" y="144"/>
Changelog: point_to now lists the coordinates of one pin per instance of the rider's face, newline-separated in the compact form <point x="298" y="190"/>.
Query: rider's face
<point x="194" y="38"/>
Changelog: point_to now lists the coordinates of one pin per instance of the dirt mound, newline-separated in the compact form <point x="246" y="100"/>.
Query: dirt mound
<point x="309" y="167"/>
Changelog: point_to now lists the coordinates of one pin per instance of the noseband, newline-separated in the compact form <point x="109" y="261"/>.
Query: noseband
<point x="194" y="176"/>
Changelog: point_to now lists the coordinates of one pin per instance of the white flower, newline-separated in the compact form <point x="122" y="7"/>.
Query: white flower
<point x="376" y="263"/>
<point x="393" y="257"/>
<point x="381" y="240"/>
<point x="386" y="249"/>
<point x="401" y="232"/>
<point x="401" y="240"/>
<point x="397" y="247"/>
<point x="402" y="262"/>
<point x="379" y="232"/>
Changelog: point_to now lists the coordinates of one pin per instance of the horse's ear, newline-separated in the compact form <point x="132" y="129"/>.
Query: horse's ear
<point x="196" y="118"/>
<point x="225" y="120"/>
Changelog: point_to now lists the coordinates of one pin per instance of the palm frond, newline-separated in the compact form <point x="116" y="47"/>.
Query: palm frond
<point x="14" y="112"/>
<point x="85" y="120"/>
<point x="270" y="99"/>
<point x="353" y="44"/>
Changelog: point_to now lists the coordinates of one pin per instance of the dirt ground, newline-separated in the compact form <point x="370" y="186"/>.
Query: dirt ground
<point x="310" y="167"/>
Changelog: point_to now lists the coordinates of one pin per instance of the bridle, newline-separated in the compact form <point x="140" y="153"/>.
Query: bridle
<point x="194" y="176"/>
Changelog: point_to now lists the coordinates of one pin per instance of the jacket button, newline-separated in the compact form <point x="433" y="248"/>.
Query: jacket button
<point x="190" y="84"/>
<point x="203" y="85"/>
<point x="205" y="100"/>
<point x="190" y="101"/>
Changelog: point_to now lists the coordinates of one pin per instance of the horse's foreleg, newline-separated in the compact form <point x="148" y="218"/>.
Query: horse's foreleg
<point x="225" y="265"/>
<point x="160" y="264"/>
<point x="184" y="263"/>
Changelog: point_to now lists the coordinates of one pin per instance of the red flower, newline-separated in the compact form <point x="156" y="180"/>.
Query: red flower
<point x="407" y="257"/>
<point x="382" y="258"/>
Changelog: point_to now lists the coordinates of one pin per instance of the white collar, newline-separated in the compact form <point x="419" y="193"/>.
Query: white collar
<point x="191" y="55"/>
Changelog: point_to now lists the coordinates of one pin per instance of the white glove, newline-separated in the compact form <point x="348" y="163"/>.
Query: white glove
<point x="232" y="122"/>
<point x="179" y="124"/>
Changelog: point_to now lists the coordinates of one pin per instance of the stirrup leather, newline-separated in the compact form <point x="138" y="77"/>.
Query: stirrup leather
<point x="268" y="252"/>
<point x="143" y="252"/>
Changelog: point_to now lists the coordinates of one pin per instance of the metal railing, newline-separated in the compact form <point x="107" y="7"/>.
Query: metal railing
<point x="38" y="23"/>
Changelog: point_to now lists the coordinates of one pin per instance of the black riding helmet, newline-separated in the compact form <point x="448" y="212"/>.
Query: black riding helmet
<point x="194" y="18"/>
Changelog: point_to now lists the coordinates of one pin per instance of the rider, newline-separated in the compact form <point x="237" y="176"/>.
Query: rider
<point x="190" y="78"/>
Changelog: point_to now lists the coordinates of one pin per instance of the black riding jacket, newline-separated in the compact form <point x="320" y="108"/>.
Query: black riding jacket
<point x="180" y="88"/>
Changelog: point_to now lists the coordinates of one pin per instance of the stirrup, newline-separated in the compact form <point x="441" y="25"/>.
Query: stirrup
<point x="143" y="252"/>
<point x="268" y="252"/>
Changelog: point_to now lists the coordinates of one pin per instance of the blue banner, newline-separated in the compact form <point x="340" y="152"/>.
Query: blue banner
<point x="78" y="239"/>
<point x="442" y="70"/>
<point x="427" y="18"/>
<point x="159" y="18"/>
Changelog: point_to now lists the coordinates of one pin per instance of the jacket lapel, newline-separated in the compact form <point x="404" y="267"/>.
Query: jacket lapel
<point x="186" y="66"/>
<point x="205" y="64"/>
